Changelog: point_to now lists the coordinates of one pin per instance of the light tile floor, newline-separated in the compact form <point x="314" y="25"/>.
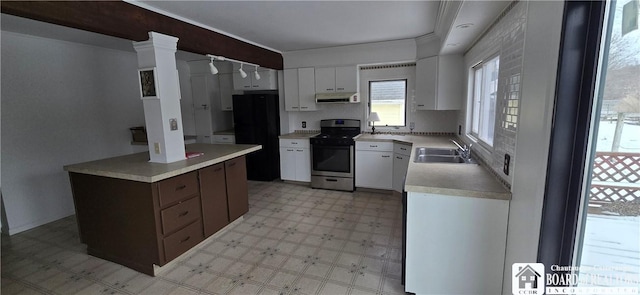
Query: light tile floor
<point x="294" y="240"/>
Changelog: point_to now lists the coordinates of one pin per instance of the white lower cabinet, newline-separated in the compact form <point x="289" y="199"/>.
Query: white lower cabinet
<point x="374" y="165"/>
<point x="295" y="160"/>
<point x="457" y="235"/>
<point x="401" y="155"/>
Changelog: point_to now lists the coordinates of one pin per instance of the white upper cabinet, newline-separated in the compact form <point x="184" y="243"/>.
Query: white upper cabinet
<point x="439" y="83"/>
<point x="299" y="89"/>
<point x="268" y="79"/>
<point x="338" y="79"/>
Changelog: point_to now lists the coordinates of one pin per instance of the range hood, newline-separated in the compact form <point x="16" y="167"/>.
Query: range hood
<point x="337" y="97"/>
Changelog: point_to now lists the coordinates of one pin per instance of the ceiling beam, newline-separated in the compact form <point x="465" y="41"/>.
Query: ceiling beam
<point x="127" y="21"/>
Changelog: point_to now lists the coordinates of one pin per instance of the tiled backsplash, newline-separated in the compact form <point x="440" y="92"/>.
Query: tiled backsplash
<point x="505" y="38"/>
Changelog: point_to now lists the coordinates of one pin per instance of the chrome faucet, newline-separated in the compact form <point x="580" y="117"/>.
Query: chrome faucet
<point x="463" y="151"/>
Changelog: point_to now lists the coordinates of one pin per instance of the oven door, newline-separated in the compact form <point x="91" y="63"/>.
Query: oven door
<point x="332" y="160"/>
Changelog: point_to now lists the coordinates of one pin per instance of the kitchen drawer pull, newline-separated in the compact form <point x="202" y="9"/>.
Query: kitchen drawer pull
<point x="420" y="105"/>
<point x="398" y="158"/>
<point x="232" y="164"/>
<point x="293" y="142"/>
<point x="185" y="239"/>
<point x="385" y="156"/>
<point x="181" y="187"/>
<point x="329" y="89"/>
<point x="305" y="107"/>
<point x="218" y="169"/>
<point x="289" y="150"/>
<point x="340" y="88"/>
<point x="300" y="150"/>
<point x="331" y="180"/>
<point x="373" y="146"/>
<point x="183" y="213"/>
<point x="403" y="149"/>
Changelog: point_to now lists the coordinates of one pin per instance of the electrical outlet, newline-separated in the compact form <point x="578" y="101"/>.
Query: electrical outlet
<point x="507" y="160"/>
<point x="156" y="147"/>
<point x="304" y="124"/>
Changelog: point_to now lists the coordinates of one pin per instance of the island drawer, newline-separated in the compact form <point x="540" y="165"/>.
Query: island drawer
<point x="177" y="188"/>
<point x="179" y="215"/>
<point x="183" y="240"/>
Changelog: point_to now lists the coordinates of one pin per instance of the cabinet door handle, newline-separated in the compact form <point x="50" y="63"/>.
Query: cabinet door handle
<point x="232" y="164"/>
<point x="183" y="213"/>
<point x="185" y="239"/>
<point x="420" y="105"/>
<point x="181" y="187"/>
<point x="385" y="156"/>
<point x="398" y="158"/>
<point x="403" y="149"/>
<point x="216" y="170"/>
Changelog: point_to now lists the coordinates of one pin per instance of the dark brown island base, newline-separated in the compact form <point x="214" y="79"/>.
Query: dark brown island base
<point x="143" y="215"/>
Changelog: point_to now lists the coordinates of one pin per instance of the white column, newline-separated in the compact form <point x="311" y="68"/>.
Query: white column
<point x="162" y="114"/>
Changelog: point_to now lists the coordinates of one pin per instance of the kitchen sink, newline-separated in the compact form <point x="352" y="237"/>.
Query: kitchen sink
<point x="436" y="151"/>
<point x="436" y="155"/>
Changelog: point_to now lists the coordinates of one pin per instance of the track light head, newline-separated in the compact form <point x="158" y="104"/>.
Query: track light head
<point x="256" y="74"/>
<point x="243" y="74"/>
<point x="212" y="67"/>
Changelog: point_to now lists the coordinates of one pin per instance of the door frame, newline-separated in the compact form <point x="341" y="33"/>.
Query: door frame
<point x="572" y="120"/>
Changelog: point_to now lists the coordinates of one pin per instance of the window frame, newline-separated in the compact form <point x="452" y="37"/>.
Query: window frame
<point x="406" y="101"/>
<point x="471" y="102"/>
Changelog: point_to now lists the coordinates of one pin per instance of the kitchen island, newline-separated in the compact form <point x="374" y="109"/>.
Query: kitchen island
<point x="143" y="215"/>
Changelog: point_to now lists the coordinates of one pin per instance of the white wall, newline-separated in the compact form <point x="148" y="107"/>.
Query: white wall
<point x="62" y="103"/>
<point x="370" y="53"/>
<point x="542" y="45"/>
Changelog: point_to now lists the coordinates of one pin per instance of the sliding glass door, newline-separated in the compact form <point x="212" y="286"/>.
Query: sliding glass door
<point x="607" y="245"/>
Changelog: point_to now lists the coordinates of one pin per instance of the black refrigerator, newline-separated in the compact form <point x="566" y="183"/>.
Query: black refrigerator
<point x="257" y="121"/>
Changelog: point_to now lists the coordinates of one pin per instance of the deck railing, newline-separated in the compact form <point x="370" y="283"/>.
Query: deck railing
<point x="615" y="177"/>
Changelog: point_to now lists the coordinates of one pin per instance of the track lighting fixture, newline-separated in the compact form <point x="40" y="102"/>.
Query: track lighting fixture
<point x="256" y="74"/>
<point x="243" y="74"/>
<point x="212" y="67"/>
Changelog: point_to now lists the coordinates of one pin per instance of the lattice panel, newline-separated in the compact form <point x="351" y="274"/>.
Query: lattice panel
<point x="608" y="194"/>
<point x="616" y="167"/>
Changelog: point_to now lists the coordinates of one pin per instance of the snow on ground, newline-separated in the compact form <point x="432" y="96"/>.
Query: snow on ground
<point x="611" y="242"/>
<point x="629" y="143"/>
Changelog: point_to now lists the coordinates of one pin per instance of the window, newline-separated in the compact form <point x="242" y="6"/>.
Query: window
<point x="483" y="106"/>
<point x="389" y="100"/>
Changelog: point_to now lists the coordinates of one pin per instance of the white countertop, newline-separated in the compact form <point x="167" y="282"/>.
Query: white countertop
<point x="137" y="167"/>
<point x="466" y="180"/>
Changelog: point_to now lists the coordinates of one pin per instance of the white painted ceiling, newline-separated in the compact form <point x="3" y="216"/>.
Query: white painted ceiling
<point x="296" y="25"/>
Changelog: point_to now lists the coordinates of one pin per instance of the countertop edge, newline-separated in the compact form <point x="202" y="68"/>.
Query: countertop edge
<point x="459" y="193"/>
<point x="295" y="135"/>
<point x="162" y="176"/>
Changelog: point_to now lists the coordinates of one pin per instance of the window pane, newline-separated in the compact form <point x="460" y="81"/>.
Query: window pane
<point x="477" y="94"/>
<point x="388" y="99"/>
<point x="485" y="92"/>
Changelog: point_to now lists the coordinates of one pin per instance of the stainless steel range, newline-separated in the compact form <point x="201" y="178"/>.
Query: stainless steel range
<point x="332" y="155"/>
